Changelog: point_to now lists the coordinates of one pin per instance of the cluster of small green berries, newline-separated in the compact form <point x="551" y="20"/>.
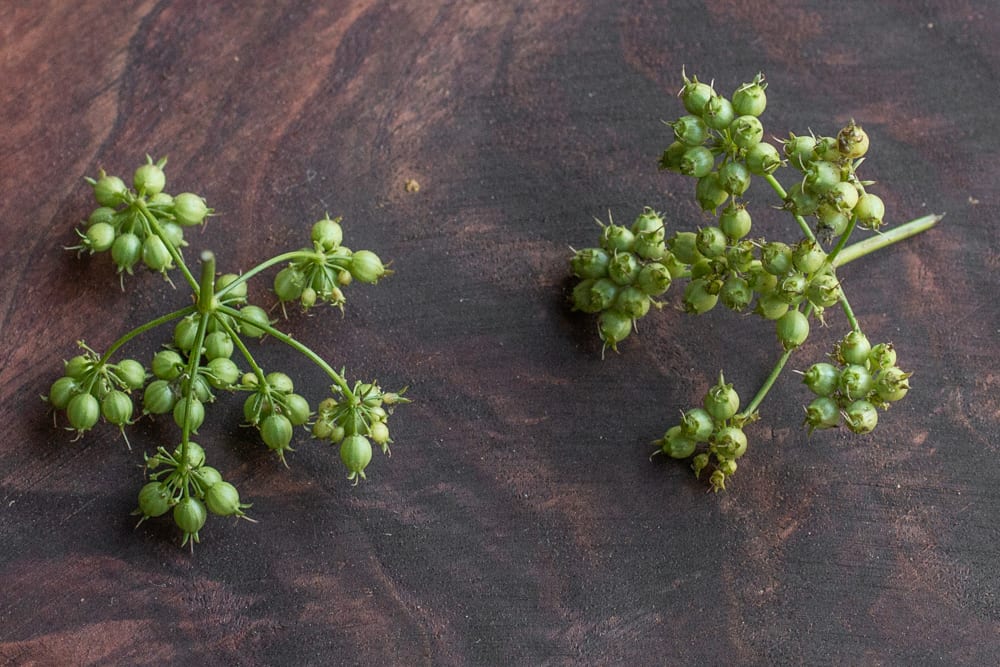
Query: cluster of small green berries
<point x="779" y="281"/>
<point x="863" y="378"/>
<point x="180" y="481"/>
<point x="830" y="191"/>
<point x="215" y="370"/>
<point x="91" y="389"/>
<point x="711" y="436"/>
<point x="198" y="360"/>
<point x="318" y="274"/>
<point x="717" y="126"/>
<point x="620" y="279"/>
<point x="141" y="223"/>
<point x="355" y="419"/>
<point x="274" y="408"/>
<point x="720" y="143"/>
<point x="725" y="265"/>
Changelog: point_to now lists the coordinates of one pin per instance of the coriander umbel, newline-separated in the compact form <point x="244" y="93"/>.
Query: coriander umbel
<point x="208" y="351"/>
<point x="720" y="142"/>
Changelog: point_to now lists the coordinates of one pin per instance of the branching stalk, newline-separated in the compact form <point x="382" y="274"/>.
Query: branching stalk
<point x="174" y="253"/>
<point x="885" y="239"/>
<point x="278" y="259"/>
<point x="771" y="378"/>
<point x="288" y="340"/>
<point x="152" y="324"/>
<point x="803" y="225"/>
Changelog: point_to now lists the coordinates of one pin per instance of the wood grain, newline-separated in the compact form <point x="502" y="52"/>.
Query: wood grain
<point x="519" y="520"/>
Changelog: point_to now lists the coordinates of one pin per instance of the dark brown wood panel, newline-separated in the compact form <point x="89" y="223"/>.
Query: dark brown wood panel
<point x="518" y="520"/>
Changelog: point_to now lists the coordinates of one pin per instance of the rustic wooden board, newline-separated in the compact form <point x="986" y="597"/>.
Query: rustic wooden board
<point x="519" y="520"/>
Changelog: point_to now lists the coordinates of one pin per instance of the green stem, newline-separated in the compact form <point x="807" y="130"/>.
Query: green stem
<point x="766" y="387"/>
<point x="187" y="310"/>
<point x="284" y="257"/>
<point x="831" y="257"/>
<point x="842" y="255"/>
<point x="194" y="358"/>
<point x="803" y="225"/>
<point x="894" y="235"/>
<point x="771" y="378"/>
<point x="194" y="361"/>
<point x="174" y="253"/>
<point x="852" y="319"/>
<point x="206" y="290"/>
<point x="238" y="342"/>
<point x="288" y="340"/>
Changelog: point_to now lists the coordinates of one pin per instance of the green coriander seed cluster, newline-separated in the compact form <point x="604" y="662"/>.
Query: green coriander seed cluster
<point x="620" y="279"/>
<point x="209" y="353"/>
<point x="90" y="389"/>
<point x="318" y="276"/>
<point x="121" y="222"/>
<point x="720" y="143"/>
<point x="355" y="420"/>
<point x="716" y="427"/>
<point x="862" y="378"/>
<point x="182" y="484"/>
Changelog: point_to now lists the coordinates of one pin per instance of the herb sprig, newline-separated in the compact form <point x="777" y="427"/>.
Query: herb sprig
<point x="720" y="143"/>
<point x="209" y="353"/>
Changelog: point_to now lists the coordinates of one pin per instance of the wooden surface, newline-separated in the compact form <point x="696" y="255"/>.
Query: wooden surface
<point x="519" y="520"/>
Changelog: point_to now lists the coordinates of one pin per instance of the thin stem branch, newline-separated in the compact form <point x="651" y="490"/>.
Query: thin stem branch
<point x="206" y="290"/>
<point x="803" y="225"/>
<point x="845" y="306"/>
<point x="205" y="294"/>
<point x="284" y="257"/>
<point x="894" y="235"/>
<point x="140" y="204"/>
<point x="238" y="342"/>
<point x="163" y="319"/>
<point x="288" y="340"/>
<point x="831" y="257"/>
<point x="771" y="378"/>
<point x="192" y="372"/>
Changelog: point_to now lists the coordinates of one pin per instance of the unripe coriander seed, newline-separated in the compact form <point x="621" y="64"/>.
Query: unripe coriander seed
<point x="149" y="180"/>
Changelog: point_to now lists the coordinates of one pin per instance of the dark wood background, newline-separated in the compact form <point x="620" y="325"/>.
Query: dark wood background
<point x="519" y="520"/>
